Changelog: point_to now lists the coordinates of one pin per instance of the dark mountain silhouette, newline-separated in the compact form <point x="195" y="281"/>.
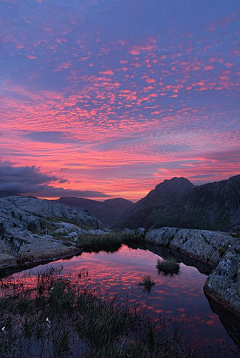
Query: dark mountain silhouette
<point x="6" y="193"/>
<point x="177" y="202"/>
<point x="108" y="211"/>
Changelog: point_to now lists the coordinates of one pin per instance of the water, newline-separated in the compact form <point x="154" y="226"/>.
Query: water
<point x="180" y="297"/>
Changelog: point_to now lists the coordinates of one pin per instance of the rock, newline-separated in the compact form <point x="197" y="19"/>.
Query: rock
<point x="223" y="285"/>
<point x="140" y="231"/>
<point x="33" y="229"/>
<point x="161" y="237"/>
<point x="206" y="246"/>
<point x="72" y="235"/>
<point x="238" y="281"/>
<point x="128" y="231"/>
<point x="98" y="232"/>
<point x="28" y="209"/>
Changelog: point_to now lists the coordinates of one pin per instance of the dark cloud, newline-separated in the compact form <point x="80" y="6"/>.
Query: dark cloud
<point x="29" y="180"/>
<point x="27" y="175"/>
<point x="48" y="191"/>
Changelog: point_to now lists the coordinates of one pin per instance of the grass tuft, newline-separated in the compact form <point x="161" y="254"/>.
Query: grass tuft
<point x="147" y="283"/>
<point x="168" y="267"/>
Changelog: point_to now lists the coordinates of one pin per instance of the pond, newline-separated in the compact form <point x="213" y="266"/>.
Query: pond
<point x="179" y="298"/>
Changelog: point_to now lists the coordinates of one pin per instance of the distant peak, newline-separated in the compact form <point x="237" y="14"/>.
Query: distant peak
<point x="179" y="181"/>
<point x="176" y="185"/>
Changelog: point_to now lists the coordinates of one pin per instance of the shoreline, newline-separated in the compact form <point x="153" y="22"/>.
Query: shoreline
<point x="217" y="250"/>
<point x="18" y="267"/>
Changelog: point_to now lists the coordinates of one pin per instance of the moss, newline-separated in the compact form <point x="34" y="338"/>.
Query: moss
<point x="222" y="250"/>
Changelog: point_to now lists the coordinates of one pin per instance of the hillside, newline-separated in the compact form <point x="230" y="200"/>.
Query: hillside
<point x="108" y="211"/>
<point x="177" y="202"/>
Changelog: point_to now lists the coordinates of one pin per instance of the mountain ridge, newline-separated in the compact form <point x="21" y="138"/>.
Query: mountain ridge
<point x="108" y="211"/>
<point x="178" y="202"/>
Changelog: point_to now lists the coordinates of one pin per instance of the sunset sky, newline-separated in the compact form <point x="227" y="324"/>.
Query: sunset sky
<point x="107" y="98"/>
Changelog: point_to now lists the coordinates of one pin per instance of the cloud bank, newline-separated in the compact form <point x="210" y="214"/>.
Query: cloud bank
<point x="29" y="180"/>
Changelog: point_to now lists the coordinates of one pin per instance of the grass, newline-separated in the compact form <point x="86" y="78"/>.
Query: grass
<point x="168" y="267"/>
<point x="56" y="316"/>
<point x="59" y="234"/>
<point x="147" y="283"/>
<point x="70" y="221"/>
<point x="91" y="241"/>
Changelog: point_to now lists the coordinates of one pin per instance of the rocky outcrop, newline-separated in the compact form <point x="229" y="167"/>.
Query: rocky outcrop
<point x="206" y="246"/>
<point x="170" y="254"/>
<point x="220" y="250"/>
<point x="32" y="229"/>
<point x="223" y="285"/>
<point x="179" y="203"/>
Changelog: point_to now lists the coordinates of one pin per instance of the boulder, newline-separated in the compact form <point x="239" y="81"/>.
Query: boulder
<point x="223" y="285"/>
<point x="206" y="246"/>
<point x="32" y="229"/>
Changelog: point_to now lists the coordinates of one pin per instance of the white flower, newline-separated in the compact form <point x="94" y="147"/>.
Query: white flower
<point x="48" y="322"/>
<point x="4" y="329"/>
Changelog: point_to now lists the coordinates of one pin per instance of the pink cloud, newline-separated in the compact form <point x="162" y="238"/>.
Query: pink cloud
<point x="31" y="57"/>
<point x="63" y="66"/>
<point x="108" y="72"/>
<point x="208" y="68"/>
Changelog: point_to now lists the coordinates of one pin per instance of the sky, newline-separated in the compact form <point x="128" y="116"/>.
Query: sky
<point x="107" y="98"/>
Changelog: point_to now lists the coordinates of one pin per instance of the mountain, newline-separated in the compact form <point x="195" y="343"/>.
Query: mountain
<point x="177" y="202"/>
<point x="3" y="194"/>
<point x="108" y="211"/>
